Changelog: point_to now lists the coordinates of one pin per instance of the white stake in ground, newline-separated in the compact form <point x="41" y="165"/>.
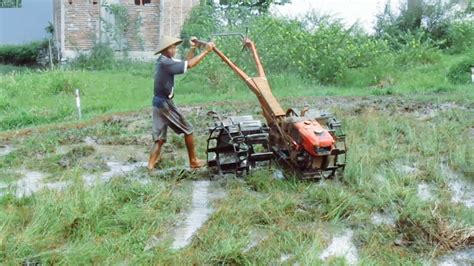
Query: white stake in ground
<point x="472" y="74"/>
<point x="78" y="103"/>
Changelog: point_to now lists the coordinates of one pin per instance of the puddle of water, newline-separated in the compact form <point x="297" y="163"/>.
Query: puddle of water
<point x="285" y="257"/>
<point x="198" y="215"/>
<point x="202" y="196"/>
<point x="5" y="150"/>
<point x="278" y="175"/>
<point x="380" y="178"/>
<point x="406" y="169"/>
<point x="29" y="184"/>
<point x="60" y="185"/>
<point x="459" y="258"/>
<point x="257" y="237"/>
<point x="116" y="169"/>
<point x="32" y="182"/>
<point x="462" y="191"/>
<point x="383" y="219"/>
<point x="110" y="152"/>
<point x="342" y="246"/>
<point x="426" y="116"/>
<point x="424" y="192"/>
<point x="166" y="171"/>
<point x="90" y="141"/>
<point x="3" y="186"/>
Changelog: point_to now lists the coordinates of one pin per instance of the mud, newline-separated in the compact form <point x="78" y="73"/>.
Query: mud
<point x="342" y="246"/>
<point x="387" y="104"/>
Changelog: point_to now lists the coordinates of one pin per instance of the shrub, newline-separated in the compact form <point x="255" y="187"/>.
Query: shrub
<point x="460" y="37"/>
<point x="100" y="57"/>
<point x="416" y="48"/>
<point x="61" y="82"/>
<point x="25" y="54"/>
<point x="331" y="50"/>
<point x="442" y="21"/>
<point x="460" y="73"/>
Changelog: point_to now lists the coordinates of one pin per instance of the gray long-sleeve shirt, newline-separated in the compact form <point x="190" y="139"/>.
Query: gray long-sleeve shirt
<point x="165" y="69"/>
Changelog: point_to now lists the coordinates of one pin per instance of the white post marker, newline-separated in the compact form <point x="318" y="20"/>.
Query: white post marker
<point x="78" y="103"/>
<point x="472" y="74"/>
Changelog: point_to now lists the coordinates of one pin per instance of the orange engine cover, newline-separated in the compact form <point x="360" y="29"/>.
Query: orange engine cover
<point x="314" y="136"/>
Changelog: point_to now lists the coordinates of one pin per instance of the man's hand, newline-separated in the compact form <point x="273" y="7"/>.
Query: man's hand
<point x="191" y="42"/>
<point x="195" y="60"/>
<point x="210" y="46"/>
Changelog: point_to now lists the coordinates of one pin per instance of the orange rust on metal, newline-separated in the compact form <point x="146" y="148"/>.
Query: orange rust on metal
<point x="253" y="49"/>
<point x="268" y="102"/>
<point x="258" y="85"/>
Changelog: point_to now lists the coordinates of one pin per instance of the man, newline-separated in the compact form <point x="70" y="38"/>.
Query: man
<point x="165" y="113"/>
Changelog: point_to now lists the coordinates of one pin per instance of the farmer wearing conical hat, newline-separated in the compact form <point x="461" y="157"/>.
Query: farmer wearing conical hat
<point x="165" y="113"/>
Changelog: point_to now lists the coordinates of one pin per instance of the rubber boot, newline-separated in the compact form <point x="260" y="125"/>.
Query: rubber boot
<point x="155" y="154"/>
<point x="194" y="162"/>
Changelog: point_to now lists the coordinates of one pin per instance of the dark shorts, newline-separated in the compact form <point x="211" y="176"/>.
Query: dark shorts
<point x="169" y="115"/>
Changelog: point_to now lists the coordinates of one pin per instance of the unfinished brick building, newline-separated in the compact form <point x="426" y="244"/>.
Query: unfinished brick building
<point x="79" y="24"/>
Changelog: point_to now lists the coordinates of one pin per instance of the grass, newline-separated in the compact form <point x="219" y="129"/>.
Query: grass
<point x="112" y="223"/>
<point x="33" y="98"/>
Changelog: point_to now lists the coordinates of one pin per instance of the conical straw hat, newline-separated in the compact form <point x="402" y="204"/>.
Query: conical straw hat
<point x="167" y="41"/>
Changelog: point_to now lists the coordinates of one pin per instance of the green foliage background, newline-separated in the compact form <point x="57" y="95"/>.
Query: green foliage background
<point x="323" y="49"/>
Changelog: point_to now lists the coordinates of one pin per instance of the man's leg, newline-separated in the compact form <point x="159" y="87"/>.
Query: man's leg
<point x="194" y="162"/>
<point x="155" y="154"/>
<point x="159" y="136"/>
<point x="179" y="125"/>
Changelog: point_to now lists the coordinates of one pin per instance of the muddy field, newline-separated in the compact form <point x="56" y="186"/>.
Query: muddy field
<point x="407" y="194"/>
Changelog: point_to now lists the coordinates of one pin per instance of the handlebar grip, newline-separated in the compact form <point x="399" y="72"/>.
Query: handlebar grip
<point x="200" y="43"/>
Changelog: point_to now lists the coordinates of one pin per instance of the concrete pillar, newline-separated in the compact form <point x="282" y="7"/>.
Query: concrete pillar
<point x="62" y="29"/>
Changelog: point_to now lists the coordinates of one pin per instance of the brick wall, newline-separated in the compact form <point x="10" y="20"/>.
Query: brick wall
<point x="175" y="13"/>
<point x="82" y="23"/>
<point x="144" y="23"/>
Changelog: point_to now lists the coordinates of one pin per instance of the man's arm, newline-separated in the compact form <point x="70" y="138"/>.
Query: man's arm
<point x="194" y="61"/>
<point x="191" y="53"/>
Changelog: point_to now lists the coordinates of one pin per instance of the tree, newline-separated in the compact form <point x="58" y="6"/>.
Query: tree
<point x="430" y="16"/>
<point x="10" y="3"/>
<point x="261" y="6"/>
